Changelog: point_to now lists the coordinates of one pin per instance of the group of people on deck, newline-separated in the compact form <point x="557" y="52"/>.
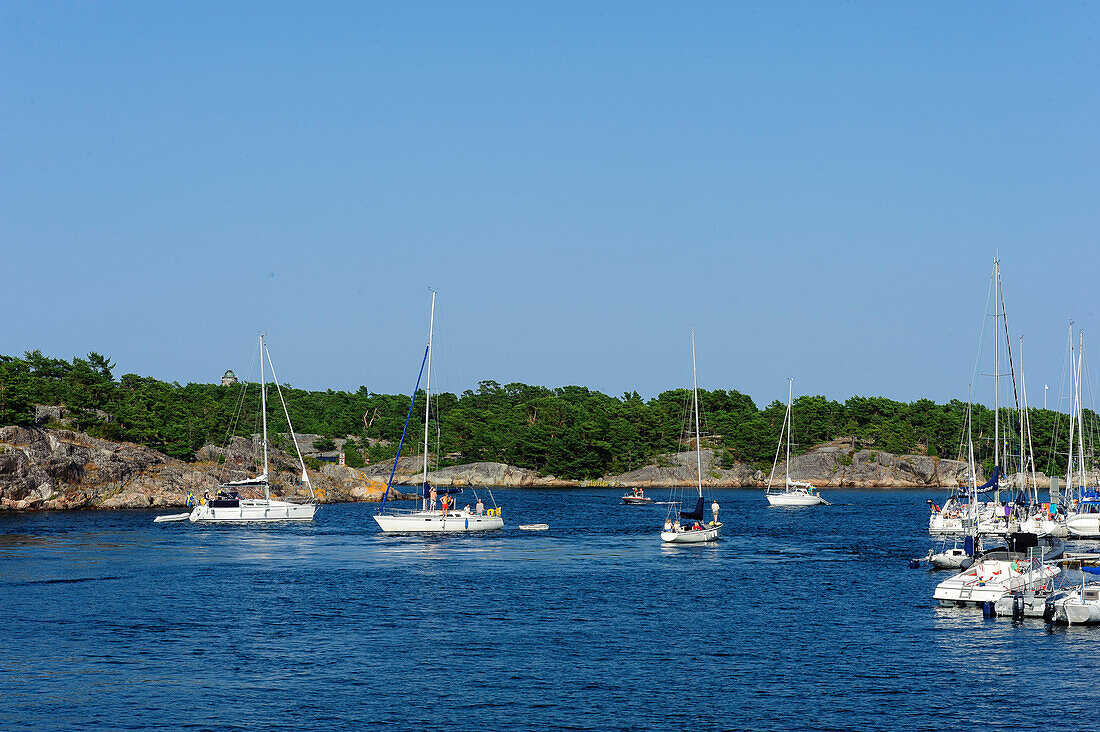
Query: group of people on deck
<point x="446" y="504"/>
<point x="671" y="525"/>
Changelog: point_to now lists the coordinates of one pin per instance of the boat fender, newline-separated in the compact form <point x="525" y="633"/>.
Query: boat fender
<point x="467" y="524"/>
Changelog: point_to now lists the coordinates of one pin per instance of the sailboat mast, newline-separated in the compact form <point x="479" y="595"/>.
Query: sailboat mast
<point x="698" y="441"/>
<point x="1023" y="387"/>
<point x="1080" y="411"/>
<point x="790" y="392"/>
<point x="263" y="413"/>
<point x="1073" y="412"/>
<point x="428" y="394"/>
<point x="996" y="373"/>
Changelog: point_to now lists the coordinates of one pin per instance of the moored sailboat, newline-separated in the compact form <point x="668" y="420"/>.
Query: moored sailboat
<point x="793" y="492"/>
<point x="232" y="504"/>
<point x="694" y="531"/>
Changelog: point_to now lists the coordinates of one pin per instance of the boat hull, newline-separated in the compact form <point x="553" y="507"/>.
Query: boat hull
<point x="988" y="580"/>
<point x="1083" y="525"/>
<point x="435" y="522"/>
<point x="793" y="499"/>
<point x="636" y="501"/>
<point x="689" y="536"/>
<point x="254" y="510"/>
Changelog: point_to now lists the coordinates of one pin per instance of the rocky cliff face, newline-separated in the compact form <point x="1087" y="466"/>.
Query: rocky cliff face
<point x="835" y="464"/>
<point x="60" y="469"/>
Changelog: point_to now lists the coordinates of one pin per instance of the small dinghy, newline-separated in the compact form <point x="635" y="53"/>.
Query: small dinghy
<point x="172" y="517"/>
<point x="534" y="527"/>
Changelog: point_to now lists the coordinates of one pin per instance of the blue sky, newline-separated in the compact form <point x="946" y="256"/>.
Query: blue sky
<point x="819" y="188"/>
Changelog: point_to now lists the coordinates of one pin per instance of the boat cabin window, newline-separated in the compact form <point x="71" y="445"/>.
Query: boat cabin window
<point x="1091" y="595"/>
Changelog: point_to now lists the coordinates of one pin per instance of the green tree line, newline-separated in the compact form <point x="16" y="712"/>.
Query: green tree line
<point x="571" y="432"/>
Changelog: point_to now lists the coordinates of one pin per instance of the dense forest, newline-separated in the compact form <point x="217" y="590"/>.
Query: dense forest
<point x="571" y="432"/>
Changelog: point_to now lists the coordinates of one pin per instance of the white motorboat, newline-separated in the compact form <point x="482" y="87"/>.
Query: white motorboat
<point x="229" y="506"/>
<point x="1079" y="606"/>
<point x="428" y="518"/>
<point x="793" y="493"/>
<point x="686" y="527"/>
<point x="637" y="497"/>
<point x="1083" y="521"/>
<point x="1001" y="572"/>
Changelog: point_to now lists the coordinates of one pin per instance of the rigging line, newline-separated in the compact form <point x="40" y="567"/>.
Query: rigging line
<point x="1050" y="467"/>
<point x="289" y="426"/>
<point x="412" y="401"/>
<point x="238" y="409"/>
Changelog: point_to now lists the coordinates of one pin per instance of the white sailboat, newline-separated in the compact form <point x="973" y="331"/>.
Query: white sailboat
<point x="428" y="518"/>
<point x="694" y="531"/>
<point x="963" y="514"/>
<point x="1083" y="521"/>
<point x="794" y="492"/>
<point x="229" y="506"/>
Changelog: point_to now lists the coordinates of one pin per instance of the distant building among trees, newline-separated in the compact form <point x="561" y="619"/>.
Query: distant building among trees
<point x="229" y="378"/>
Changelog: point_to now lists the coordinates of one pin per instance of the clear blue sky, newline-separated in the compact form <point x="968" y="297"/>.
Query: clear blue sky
<point x="818" y="187"/>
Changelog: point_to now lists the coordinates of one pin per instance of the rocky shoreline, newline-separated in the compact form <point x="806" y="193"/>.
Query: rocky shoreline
<point x="62" y="469"/>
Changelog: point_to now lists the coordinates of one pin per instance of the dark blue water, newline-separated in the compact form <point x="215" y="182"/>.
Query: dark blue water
<point x="797" y="619"/>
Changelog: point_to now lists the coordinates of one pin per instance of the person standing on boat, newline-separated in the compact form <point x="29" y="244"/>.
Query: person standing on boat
<point x="433" y="495"/>
<point x="714" y="509"/>
<point x="480" y="507"/>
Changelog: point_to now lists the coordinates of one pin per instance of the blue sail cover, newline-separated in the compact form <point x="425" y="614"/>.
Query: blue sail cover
<point x="1090" y="570"/>
<point x="992" y="481"/>
<point x="697" y="514"/>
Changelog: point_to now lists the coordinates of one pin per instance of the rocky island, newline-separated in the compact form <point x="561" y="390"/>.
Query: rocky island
<point x="44" y="468"/>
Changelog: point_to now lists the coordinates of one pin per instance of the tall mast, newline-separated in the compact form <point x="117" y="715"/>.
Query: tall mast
<point x="428" y="394"/>
<point x="698" y="441"/>
<point x="263" y="412"/>
<point x="1080" y="410"/>
<point x="790" y="391"/>
<point x="1023" y="387"/>
<point x="1073" y="412"/>
<point x="996" y="375"/>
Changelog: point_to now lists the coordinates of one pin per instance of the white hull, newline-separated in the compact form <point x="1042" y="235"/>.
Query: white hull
<point x="1085" y="525"/>
<point x="1045" y="527"/>
<point x="990" y="579"/>
<point x="1072" y="610"/>
<point x="950" y="559"/>
<point x="690" y="536"/>
<point x="794" y="498"/>
<point x="434" y="522"/>
<point x="1034" y="606"/>
<point x="637" y="500"/>
<point x="257" y="509"/>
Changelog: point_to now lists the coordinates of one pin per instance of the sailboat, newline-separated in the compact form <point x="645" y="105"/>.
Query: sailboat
<point x="229" y="506"/>
<point x="793" y="493"/>
<point x="694" y="531"/>
<point x="1084" y="520"/>
<point x="966" y="513"/>
<point x="428" y="518"/>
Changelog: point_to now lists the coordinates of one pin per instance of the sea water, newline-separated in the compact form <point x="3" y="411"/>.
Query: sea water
<point x="797" y="619"/>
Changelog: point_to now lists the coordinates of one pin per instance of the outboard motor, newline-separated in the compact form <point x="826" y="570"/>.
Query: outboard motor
<point x="1018" y="607"/>
<point x="989" y="610"/>
<point x="968" y="545"/>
